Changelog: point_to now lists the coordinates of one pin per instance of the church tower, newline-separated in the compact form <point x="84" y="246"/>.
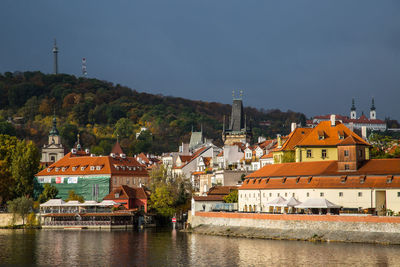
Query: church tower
<point x="55" y="54"/>
<point x="237" y="128"/>
<point x="54" y="150"/>
<point x="372" y="112"/>
<point x="353" y="114"/>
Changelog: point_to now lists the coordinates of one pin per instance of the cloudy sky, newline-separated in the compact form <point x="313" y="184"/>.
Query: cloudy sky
<point x="310" y="56"/>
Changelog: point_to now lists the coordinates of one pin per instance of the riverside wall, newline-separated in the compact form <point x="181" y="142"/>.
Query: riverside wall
<point x="6" y="219"/>
<point x="365" y="229"/>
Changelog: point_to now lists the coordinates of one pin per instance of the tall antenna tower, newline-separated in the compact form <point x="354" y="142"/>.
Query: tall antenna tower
<point x="55" y="53"/>
<point x="84" y="72"/>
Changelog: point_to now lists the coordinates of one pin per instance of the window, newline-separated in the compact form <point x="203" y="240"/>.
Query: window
<point x="346" y="153"/>
<point x="323" y="153"/>
<point x="340" y="194"/>
<point x="398" y="194"/>
<point x="52" y="158"/>
<point x="360" y="153"/>
<point x="285" y="194"/>
<point x="115" y="180"/>
<point x="278" y="194"/>
<point x="360" y="194"/>
<point x="292" y="194"/>
<point x="321" y="194"/>
<point x="346" y="166"/>
<point x="116" y="195"/>
<point x="263" y="194"/>
<point x="309" y="153"/>
<point x="127" y="180"/>
<point x="92" y="168"/>
<point x="270" y="194"/>
<point x="308" y="194"/>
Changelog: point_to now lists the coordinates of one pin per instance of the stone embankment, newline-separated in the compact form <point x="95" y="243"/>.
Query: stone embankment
<point x="330" y="228"/>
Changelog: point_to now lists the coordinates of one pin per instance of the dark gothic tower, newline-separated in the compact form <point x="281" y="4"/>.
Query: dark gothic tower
<point x="55" y="53"/>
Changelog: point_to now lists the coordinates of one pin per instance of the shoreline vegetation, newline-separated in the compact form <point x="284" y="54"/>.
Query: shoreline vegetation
<point x="314" y="235"/>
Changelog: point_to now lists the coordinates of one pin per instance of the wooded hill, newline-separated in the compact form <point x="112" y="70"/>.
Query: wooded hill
<point x="100" y="111"/>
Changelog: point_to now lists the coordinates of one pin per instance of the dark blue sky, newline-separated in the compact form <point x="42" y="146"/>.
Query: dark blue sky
<point x="307" y="56"/>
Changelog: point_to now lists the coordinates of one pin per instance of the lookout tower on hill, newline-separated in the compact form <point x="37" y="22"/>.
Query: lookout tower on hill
<point x="237" y="130"/>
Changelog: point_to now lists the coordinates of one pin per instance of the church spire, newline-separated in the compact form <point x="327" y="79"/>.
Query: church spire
<point x="54" y="130"/>
<point x="373" y="104"/>
<point x="353" y="107"/>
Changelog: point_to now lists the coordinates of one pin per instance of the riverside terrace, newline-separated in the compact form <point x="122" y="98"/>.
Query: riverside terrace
<point x="57" y="213"/>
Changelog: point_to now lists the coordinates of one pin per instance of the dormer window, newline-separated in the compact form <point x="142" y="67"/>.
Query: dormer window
<point x="297" y="180"/>
<point x="116" y="195"/>
<point x="63" y="169"/>
<point x="321" y="135"/>
<point x="74" y="168"/>
<point x="283" y="180"/>
<point x="99" y="167"/>
<point x="92" y="168"/>
<point x="267" y="180"/>
<point x="343" y="179"/>
<point x="254" y="181"/>
<point x="389" y="179"/>
<point x="362" y="179"/>
<point x="83" y="168"/>
<point x="50" y="169"/>
<point x="57" y="169"/>
<point x="309" y="179"/>
<point x="341" y="134"/>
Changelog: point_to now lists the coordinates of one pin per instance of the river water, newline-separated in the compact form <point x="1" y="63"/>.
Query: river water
<point x="166" y="247"/>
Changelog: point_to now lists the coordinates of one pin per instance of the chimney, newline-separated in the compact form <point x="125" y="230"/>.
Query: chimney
<point x="293" y="126"/>
<point x="333" y="120"/>
<point x="364" y="132"/>
<point x="278" y="137"/>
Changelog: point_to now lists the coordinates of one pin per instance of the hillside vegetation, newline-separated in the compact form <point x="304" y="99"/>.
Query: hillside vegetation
<point x="100" y="111"/>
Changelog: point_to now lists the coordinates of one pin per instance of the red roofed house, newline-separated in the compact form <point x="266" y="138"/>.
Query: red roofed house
<point x="129" y="197"/>
<point x="215" y="195"/>
<point x="93" y="176"/>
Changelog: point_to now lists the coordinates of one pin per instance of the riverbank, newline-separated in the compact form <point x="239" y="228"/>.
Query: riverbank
<point x="299" y="234"/>
<point x="324" y="228"/>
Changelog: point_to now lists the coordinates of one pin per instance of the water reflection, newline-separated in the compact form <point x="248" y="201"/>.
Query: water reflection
<point x="171" y="248"/>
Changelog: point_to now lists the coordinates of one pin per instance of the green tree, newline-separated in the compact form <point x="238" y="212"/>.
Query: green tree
<point x="73" y="196"/>
<point x="20" y="206"/>
<point x="162" y="201"/>
<point x="232" y="197"/>
<point x="68" y="133"/>
<point x="123" y="128"/>
<point x="24" y="166"/>
<point x="7" y="128"/>
<point x="7" y="146"/>
<point x="49" y="192"/>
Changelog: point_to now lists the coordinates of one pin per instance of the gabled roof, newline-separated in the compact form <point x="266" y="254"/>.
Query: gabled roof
<point x="330" y="135"/>
<point x="83" y="164"/>
<point x="127" y="192"/>
<point x="350" y="140"/>
<point x="185" y="158"/>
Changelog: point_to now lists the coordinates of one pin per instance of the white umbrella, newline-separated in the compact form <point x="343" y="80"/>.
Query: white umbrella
<point x="276" y="202"/>
<point x="291" y="202"/>
<point x="317" y="203"/>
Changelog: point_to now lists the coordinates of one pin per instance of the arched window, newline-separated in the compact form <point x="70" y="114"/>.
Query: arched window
<point x="245" y="208"/>
<point x="52" y="158"/>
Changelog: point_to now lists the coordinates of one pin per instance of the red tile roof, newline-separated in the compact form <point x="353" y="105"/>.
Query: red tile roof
<point x="221" y="190"/>
<point x="330" y="135"/>
<point x="322" y="182"/>
<point x="127" y="192"/>
<point x="321" y="168"/>
<point x="209" y="198"/>
<point x="73" y="164"/>
<point x="294" y="138"/>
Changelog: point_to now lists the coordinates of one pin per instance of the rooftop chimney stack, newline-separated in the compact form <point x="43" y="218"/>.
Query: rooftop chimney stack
<point x="333" y="120"/>
<point x="293" y="126"/>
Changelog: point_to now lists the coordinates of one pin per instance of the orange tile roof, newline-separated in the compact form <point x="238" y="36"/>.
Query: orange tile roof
<point x="267" y="156"/>
<point x="294" y="169"/>
<point x="108" y="165"/>
<point x="221" y="190"/>
<point x="185" y="158"/>
<point x="294" y="138"/>
<point x="209" y="198"/>
<point x="127" y="192"/>
<point x="322" y="182"/>
<point x="330" y="133"/>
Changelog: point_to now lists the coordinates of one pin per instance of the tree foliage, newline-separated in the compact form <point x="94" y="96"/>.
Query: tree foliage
<point x="97" y="107"/>
<point x="73" y="196"/>
<point x="170" y="195"/>
<point x="232" y="197"/>
<point x="20" y="206"/>
<point x="49" y="192"/>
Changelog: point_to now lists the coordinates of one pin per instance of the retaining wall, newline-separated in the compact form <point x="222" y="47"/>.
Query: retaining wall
<point x="296" y="222"/>
<point x="6" y="219"/>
